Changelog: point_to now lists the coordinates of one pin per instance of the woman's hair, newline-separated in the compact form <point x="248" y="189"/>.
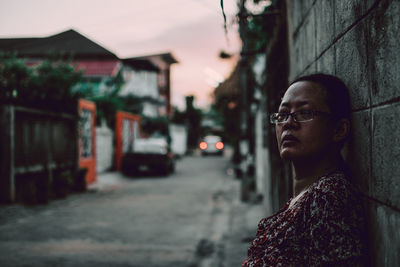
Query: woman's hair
<point x="337" y="93"/>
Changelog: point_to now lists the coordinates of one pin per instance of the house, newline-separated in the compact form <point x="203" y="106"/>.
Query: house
<point x="99" y="65"/>
<point x="163" y="62"/>
<point x="140" y="81"/>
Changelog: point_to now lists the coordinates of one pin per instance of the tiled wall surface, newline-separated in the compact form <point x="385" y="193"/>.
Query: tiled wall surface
<point x="358" y="41"/>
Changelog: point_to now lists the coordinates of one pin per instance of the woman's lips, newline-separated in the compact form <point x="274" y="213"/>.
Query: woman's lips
<point x="289" y="140"/>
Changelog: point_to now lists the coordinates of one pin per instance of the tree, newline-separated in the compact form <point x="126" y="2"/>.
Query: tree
<point x="193" y="119"/>
<point x="47" y="84"/>
<point x="158" y="125"/>
<point x="15" y="77"/>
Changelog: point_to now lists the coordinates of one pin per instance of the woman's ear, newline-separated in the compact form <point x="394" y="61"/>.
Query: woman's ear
<point x="342" y="130"/>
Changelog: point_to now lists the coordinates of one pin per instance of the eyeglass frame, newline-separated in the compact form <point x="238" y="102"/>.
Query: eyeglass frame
<point x="293" y="115"/>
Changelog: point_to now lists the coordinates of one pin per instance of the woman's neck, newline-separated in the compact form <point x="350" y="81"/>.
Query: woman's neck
<point x="306" y="172"/>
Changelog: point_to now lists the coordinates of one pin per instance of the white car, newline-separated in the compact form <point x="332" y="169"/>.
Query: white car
<point x="152" y="154"/>
<point x="211" y="144"/>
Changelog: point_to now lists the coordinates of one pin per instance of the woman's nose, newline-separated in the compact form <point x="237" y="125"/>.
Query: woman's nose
<point x="290" y="123"/>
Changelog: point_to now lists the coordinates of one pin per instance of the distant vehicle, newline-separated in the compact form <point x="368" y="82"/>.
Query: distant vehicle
<point x="211" y="144"/>
<point x="149" y="154"/>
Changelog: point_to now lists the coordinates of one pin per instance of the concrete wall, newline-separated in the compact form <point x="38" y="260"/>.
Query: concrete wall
<point x="358" y="41"/>
<point x="104" y="148"/>
<point x="179" y="135"/>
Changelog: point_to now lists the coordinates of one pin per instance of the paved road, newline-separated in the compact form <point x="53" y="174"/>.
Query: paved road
<point x="145" y="221"/>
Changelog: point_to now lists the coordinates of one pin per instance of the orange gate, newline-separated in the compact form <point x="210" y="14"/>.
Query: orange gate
<point x="126" y="130"/>
<point x="87" y="139"/>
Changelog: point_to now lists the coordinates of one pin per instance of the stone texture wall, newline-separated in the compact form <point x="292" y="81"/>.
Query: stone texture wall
<point x="358" y="41"/>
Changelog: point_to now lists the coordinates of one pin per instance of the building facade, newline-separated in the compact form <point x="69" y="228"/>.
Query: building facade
<point x="140" y="80"/>
<point x="163" y="62"/>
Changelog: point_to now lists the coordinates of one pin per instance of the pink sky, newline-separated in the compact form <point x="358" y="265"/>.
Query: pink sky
<point x="192" y="30"/>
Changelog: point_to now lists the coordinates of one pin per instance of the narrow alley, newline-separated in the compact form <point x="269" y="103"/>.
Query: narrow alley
<point x="191" y="218"/>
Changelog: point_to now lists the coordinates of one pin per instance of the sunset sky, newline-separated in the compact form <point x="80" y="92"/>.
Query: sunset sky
<point x="192" y="30"/>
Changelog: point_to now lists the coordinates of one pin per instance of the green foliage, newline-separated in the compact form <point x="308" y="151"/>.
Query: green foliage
<point x="109" y="103"/>
<point x="257" y="33"/>
<point x="15" y="76"/>
<point x="257" y="28"/>
<point x="106" y="108"/>
<point x="54" y="79"/>
<point x="117" y="82"/>
<point x="48" y="82"/>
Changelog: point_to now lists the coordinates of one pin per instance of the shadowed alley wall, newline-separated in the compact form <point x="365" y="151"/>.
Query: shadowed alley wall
<point x="358" y="41"/>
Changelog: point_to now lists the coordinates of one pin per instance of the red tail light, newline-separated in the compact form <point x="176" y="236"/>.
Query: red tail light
<point x="203" y="145"/>
<point x="219" y="145"/>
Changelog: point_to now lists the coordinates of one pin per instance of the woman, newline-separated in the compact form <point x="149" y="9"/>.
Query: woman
<point x="323" y="223"/>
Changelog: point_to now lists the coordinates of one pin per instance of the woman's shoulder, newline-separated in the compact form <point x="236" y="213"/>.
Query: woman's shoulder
<point x="337" y="182"/>
<point x="334" y="190"/>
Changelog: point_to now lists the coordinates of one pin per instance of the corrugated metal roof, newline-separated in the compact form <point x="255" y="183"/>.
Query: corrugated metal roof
<point x="69" y="42"/>
<point x="98" y="68"/>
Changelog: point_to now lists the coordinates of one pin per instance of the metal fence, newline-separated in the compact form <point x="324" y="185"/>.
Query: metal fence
<point x="38" y="153"/>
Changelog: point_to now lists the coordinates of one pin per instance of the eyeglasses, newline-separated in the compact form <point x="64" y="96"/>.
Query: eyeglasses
<point x="298" y="116"/>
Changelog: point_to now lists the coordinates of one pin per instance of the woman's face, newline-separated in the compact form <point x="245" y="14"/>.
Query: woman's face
<point x="304" y="140"/>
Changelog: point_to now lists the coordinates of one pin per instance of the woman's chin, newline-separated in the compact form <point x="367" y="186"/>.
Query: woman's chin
<point x="289" y="154"/>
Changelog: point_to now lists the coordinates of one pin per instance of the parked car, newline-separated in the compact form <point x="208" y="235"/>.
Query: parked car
<point x="149" y="154"/>
<point x="211" y="144"/>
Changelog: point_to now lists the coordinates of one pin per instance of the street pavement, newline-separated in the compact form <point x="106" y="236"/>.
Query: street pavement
<point x="193" y="218"/>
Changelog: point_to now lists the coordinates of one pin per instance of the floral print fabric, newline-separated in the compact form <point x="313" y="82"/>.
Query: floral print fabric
<point x="324" y="227"/>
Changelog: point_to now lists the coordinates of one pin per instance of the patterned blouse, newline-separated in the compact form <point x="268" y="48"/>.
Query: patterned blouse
<point x="324" y="227"/>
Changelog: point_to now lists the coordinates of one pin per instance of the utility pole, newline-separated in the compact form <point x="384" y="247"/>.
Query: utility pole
<point x="244" y="144"/>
